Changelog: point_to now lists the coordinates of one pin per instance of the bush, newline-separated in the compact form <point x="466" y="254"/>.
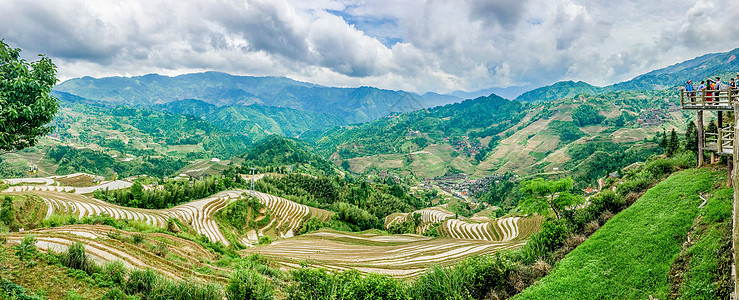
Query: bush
<point x="138" y="238"/>
<point x="472" y="278"/>
<point x="140" y="282"/>
<point x="312" y="283"/>
<point x="373" y="286"/>
<point x="76" y="258"/>
<point x="245" y="284"/>
<point x="116" y="272"/>
<point x="114" y="294"/>
<point x="184" y="290"/>
<point x="606" y="200"/>
<point x="265" y="240"/>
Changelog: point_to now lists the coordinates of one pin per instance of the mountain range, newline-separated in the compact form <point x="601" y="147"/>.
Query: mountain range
<point x="724" y="64"/>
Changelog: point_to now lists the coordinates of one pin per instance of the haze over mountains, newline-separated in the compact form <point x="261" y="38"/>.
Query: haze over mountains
<point x="279" y="105"/>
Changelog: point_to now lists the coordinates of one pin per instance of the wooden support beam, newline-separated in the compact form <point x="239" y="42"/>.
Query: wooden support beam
<point x="700" y="138"/>
<point x="729" y="169"/>
<point x="735" y="181"/>
<point x="720" y="119"/>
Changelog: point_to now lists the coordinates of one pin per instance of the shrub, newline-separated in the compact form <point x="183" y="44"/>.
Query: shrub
<point x="138" y="238"/>
<point x="312" y="283"/>
<point x="188" y="289"/>
<point x="72" y="295"/>
<point x="265" y="240"/>
<point x="76" y="258"/>
<point x="114" y="294"/>
<point x="161" y="249"/>
<point x="246" y="284"/>
<point x="140" y="282"/>
<point x="606" y="200"/>
<point x="473" y="278"/>
<point x="115" y="271"/>
<point x="373" y="286"/>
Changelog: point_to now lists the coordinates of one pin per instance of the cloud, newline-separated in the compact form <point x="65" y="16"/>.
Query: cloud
<point x="417" y="45"/>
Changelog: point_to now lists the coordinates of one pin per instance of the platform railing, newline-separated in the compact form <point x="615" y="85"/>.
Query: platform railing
<point x="723" y="141"/>
<point x="709" y="99"/>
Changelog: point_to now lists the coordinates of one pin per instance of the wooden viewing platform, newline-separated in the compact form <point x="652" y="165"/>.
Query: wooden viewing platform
<point x="721" y="143"/>
<point x="722" y="100"/>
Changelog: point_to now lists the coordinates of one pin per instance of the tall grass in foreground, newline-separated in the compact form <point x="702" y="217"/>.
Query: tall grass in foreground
<point x="144" y="284"/>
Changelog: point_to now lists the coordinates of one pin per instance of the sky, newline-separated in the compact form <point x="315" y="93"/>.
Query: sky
<point x="413" y="45"/>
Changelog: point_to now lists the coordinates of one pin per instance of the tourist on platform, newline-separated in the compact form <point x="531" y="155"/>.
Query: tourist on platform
<point x="709" y="90"/>
<point x="701" y="88"/>
<point x="689" y="88"/>
<point x="732" y="87"/>
<point x="718" y="87"/>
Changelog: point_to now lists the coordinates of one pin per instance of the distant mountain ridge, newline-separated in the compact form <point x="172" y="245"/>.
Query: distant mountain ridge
<point x="359" y="104"/>
<point x="559" y="90"/>
<point x="724" y="64"/>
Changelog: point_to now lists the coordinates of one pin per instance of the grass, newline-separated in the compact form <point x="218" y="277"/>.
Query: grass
<point x="709" y="267"/>
<point x="631" y="255"/>
<point x="50" y="278"/>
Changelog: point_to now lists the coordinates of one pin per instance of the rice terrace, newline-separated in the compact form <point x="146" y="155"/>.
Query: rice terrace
<point x="341" y="150"/>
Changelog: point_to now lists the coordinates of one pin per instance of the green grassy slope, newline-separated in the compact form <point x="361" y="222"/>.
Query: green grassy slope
<point x="631" y="255"/>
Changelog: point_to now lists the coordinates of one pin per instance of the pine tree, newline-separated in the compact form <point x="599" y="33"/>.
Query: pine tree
<point x="691" y="137"/>
<point x="673" y="144"/>
<point x="663" y="142"/>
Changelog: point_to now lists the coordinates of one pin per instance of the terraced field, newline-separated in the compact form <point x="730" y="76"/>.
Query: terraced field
<point x="396" y="255"/>
<point x="502" y="229"/>
<point x="179" y="260"/>
<point x="287" y="215"/>
<point x="429" y="217"/>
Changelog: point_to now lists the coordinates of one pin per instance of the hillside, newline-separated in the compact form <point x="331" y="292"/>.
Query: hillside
<point x="255" y="117"/>
<point x="491" y="135"/>
<point x="647" y="251"/>
<point x="559" y="90"/>
<point x="725" y="64"/>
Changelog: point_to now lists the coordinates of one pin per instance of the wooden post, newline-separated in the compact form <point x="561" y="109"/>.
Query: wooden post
<point x="700" y="137"/>
<point x="719" y="142"/>
<point x="720" y="119"/>
<point x="682" y="102"/>
<point x="735" y="181"/>
<point x="729" y="169"/>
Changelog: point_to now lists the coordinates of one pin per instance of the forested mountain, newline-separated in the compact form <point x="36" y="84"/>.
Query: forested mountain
<point x="725" y="64"/>
<point x="255" y="118"/>
<point x="143" y="132"/>
<point x="583" y="137"/>
<point x="559" y="90"/>
<point x="360" y="104"/>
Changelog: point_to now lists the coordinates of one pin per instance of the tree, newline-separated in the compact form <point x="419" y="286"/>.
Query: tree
<point x="548" y="195"/>
<point x="26" y="249"/>
<point x="26" y="104"/>
<point x="672" y="144"/>
<point x="691" y="137"/>
<point x="585" y="115"/>
<point x="663" y="141"/>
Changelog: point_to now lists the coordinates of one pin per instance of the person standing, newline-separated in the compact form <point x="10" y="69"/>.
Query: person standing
<point x="732" y="88"/>
<point x="689" y="88"/>
<point x="709" y="90"/>
<point x="717" y="87"/>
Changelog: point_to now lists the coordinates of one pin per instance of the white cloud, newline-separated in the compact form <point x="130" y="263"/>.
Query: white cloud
<point x="416" y="45"/>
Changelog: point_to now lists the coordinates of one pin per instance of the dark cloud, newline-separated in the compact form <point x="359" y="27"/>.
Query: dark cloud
<point x="505" y="13"/>
<point x="418" y="45"/>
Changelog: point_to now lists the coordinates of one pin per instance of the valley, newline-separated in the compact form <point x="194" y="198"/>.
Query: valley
<point x="209" y="183"/>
